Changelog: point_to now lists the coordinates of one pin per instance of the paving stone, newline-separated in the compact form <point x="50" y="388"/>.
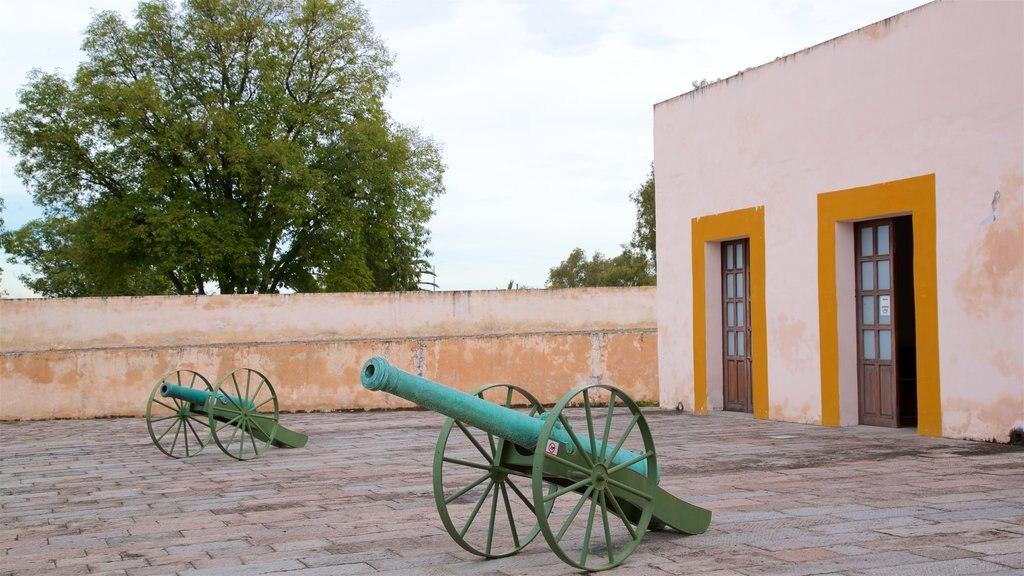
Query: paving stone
<point x="945" y="567"/>
<point x="1005" y="546"/>
<point x="1015" y="560"/>
<point x="81" y="497"/>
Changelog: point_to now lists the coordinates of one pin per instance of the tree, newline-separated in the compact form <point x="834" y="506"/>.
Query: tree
<point x="236" y="143"/>
<point x="635" y="266"/>
<point x="644" y="235"/>
<point x="630" y="268"/>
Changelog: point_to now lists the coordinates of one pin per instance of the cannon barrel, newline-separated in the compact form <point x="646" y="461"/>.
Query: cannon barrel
<point x="379" y="375"/>
<point x="199" y="396"/>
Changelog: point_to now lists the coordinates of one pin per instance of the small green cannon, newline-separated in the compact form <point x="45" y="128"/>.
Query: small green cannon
<point x="240" y="414"/>
<point x="584" y="474"/>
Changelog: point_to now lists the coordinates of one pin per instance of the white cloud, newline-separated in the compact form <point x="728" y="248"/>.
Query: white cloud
<point x="544" y="109"/>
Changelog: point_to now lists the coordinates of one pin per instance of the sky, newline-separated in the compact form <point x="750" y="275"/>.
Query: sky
<point x="543" y="108"/>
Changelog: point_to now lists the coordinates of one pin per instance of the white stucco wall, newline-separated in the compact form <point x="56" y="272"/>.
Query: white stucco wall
<point x="936" y="90"/>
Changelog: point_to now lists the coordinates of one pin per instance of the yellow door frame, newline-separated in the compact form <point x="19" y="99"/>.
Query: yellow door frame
<point x="914" y="196"/>
<point x="744" y="223"/>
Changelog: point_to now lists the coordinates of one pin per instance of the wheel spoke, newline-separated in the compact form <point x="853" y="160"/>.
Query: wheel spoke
<point x="494" y="514"/>
<point x="508" y="512"/>
<point x="608" y="423"/>
<point x="184" y="423"/>
<point x="490" y="442"/>
<point x="586" y="534"/>
<point x="177" y="431"/>
<point x="199" y="421"/>
<point x="230" y="423"/>
<point x="241" y="442"/>
<point x="567" y="489"/>
<point x="264" y="403"/>
<point x="476" y="509"/>
<point x="465" y="463"/>
<point x="572" y="515"/>
<point x="234" y="432"/>
<point x="621" y="514"/>
<point x="195" y="434"/>
<point x="590" y="425"/>
<point x="521" y="496"/>
<point x="476" y="443"/>
<point x="252" y="437"/>
<point x="155" y="401"/>
<point x="575" y="439"/>
<point x="607" y="528"/>
<point x="472" y="485"/>
<point x="161" y="419"/>
<point x="569" y="464"/>
<point x="238" y="391"/>
<point x="263" y="417"/>
<point x="248" y="378"/>
<point x="168" y="430"/>
<point x="631" y="461"/>
<point x="630" y="489"/>
<point x="260" y="387"/>
<point x="625" y="434"/>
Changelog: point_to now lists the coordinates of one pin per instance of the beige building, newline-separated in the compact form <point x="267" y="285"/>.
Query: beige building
<point x="841" y="231"/>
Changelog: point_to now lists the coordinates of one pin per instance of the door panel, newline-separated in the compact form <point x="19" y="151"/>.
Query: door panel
<point x="876" y="329"/>
<point x="737" y="389"/>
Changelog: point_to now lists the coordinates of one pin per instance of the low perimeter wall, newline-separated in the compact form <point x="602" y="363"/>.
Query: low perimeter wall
<point x="96" y="357"/>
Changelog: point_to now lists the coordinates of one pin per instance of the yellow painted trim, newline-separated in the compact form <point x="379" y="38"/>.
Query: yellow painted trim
<point x="915" y="196"/>
<point x="749" y="223"/>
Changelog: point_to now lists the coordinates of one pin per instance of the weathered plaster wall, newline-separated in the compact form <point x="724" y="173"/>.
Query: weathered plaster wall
<point x="936" y="90"/>
<point x="91" y="357"/>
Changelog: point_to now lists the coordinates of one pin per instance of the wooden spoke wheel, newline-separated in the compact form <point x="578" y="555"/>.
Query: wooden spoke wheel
<point x="484" y="505"/>
<point x="243" y="413"/>
<point x="175" y="428"/>
<point x="605" y="499"/>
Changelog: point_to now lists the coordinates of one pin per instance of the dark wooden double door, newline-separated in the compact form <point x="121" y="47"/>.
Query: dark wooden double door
<point x="737" y="391"/>
<point x="886" y="342"/>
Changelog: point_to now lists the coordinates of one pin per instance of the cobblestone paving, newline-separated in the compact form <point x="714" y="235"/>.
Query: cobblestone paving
<point x="95" y="497"/>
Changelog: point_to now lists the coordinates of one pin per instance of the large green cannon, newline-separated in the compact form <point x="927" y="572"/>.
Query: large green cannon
<point x="240" y="414"/>
<point x="584" y="474"/>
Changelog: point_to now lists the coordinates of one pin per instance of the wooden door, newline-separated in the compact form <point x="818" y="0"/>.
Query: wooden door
<point x="878" y="383"/>
<point x="737" y="390"/>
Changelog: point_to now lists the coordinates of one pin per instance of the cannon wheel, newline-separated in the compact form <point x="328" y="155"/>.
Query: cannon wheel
<point x="245" y="419"/>
<point x="175" y="429"/>
<point x="475" y="459"/>
<point x="588" y="477"/>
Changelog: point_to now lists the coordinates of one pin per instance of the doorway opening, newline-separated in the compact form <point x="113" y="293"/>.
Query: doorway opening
<point x="886" y="333"/>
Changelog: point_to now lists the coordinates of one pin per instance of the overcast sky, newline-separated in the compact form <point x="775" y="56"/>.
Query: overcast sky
<point x="543" y="108"/>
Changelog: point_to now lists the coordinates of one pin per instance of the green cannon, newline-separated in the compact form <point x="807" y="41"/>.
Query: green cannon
<point x="240" y="414"/>
<point x="585" y="474"/>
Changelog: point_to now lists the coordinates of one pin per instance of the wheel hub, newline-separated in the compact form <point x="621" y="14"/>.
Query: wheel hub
<point x="599" y="476"/>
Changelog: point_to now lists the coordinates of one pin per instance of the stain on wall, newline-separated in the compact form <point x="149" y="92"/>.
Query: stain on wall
<point x="993" y="275"/>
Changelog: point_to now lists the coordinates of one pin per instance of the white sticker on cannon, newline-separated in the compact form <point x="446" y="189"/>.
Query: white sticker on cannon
<point x="552" y="448"/>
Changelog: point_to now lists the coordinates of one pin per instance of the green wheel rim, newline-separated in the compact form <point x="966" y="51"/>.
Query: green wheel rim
<point x="601" y="511"/>
<point x="175" y="428"/>
<point x="243" y="414"/>
<point x="484" y="506"/>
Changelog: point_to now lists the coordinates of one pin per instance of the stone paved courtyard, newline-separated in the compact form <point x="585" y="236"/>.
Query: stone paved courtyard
<point x="96" y="497"/>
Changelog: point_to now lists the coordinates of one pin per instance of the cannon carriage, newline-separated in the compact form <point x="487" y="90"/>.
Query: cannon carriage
<point x="240" y="413"/>
<point x="584" y="474"/>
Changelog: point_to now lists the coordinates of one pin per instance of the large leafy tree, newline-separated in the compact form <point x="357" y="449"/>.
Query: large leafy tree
<point x="635" y="266"/>
<point x="241" y="144"/>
